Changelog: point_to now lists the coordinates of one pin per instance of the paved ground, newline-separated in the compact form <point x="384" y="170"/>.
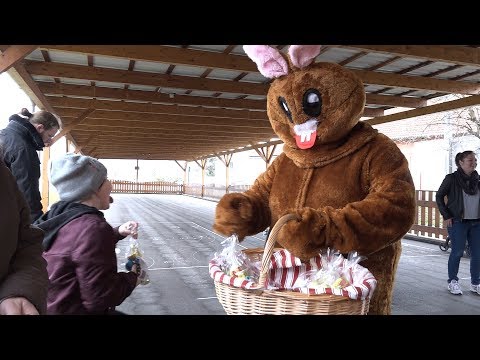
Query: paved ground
<point x="176" y="237"/>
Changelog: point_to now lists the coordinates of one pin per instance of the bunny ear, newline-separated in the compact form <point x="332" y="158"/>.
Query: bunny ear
<point x="270" y="62"/>
<point x="303" y="55"/>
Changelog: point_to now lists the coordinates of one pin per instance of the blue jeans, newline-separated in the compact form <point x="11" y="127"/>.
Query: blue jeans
<point x="459" y="233"/>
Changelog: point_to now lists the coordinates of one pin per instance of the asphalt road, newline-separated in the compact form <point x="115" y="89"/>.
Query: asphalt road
<point x="177" y="241"/>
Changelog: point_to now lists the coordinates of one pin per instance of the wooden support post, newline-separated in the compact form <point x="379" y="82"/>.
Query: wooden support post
<point x="45" y="183"/>
<point x="202" y="164"/>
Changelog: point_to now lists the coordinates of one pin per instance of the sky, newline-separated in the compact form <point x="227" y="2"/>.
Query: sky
<point x="12" y="99"/>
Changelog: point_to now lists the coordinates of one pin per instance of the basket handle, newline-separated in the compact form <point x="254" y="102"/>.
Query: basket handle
<point x="269" y="246"/>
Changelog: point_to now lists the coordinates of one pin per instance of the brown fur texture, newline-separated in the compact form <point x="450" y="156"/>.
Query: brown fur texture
<point x="351" y="191"/>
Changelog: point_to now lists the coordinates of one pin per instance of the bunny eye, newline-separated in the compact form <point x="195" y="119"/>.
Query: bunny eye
<point x="283" y="104"/>
<point x="312" y="102"/>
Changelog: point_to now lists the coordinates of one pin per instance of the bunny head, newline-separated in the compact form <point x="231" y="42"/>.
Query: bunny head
<point x="308" y="103"/>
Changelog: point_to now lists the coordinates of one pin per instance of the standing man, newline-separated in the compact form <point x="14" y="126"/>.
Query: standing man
<point x="26" y="134"/>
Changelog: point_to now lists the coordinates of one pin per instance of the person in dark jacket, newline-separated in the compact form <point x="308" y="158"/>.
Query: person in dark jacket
<point x="79" y="244"/>
<point x="461" y="213"/>
<point x="24" y="135"/>
<point x="23" y="271"/>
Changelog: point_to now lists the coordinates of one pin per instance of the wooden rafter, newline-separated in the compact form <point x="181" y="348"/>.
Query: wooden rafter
<point x="13" y="55"/>
<point x="165" y="54"/>
<point x="184" y="167"/>
<point x="437" y="108"/>
<point x="142" y="78"/>
<point x="136" y="95"/>
<point x="77" y="103"/>
<point x="72" y="125"/>
<point x="446" y="53"/>
<point x="129" y="111"/>
<point x="149" y="96"/>
<point x="184" y="82"/>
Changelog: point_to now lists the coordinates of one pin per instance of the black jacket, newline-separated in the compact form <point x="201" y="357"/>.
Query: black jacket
<point x="60" y="214"/>
<point x="453" y="208"/>
<point x="20" y="142"/>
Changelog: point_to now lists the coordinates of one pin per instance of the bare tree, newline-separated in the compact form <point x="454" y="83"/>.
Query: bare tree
<point x="461" y="122"/>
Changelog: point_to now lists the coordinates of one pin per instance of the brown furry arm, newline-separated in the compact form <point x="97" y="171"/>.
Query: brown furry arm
<point x="385" y="214"/>
<point x="368" y="225"/>
<point x="246" y="213"/>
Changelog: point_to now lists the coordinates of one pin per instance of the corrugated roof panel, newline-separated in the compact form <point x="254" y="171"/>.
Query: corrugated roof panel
<point x="421" y="93"/>
<point x="369" y="60"/>
<point x="68" y="58"/>
<point x="35" y="55"/>
<point x="238" y="50"/>
<point x="400" y="65"/>
<point x="254" y="77"/>
<point x="373" y="88"/>
<point x="188" y="71"/>
<point x="142" y="87"/>
<point x="169" y="90"/>
<point x="108" y="84"/>
<point x="395" y="91"/>
<point x="81" y="97"/>
<point x="428" y="69"/>
<point x="223" y="74"/>
<point x="228" y="96"/>
<point x="110" y="62"/>
<point x="458" y="72"/>
<point x="256" y="97"/>
<point x="43" y="78"/>
<point x="151" y="67"/>
<point x="215" y="48"/>
<point x="336" y="56"/>
<point x="75" y="81"/>
<point x="475" y="78"/>
<point x="202" y="93"/>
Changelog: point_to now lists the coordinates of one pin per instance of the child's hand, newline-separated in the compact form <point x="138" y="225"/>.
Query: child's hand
<point x="129" y="228"/>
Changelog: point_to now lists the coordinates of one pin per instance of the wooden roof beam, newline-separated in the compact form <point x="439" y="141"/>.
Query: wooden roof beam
<point x="437" y="108"/>
<point x="130" y="126"/>
<point x="76" y="103"/>
<point x="417" y="82"/>
<point x="156" y="119"/>
<point x="165" y="54"/>
<point x="72" y="125"/>
<point x="104" y="131"/>
<point x="13" y="55"/>
<point x="185" y="82"/>
<point x="157" y="112"/>
<point x="142" y="78"/>
<point x="395" y="101"/>
<point x="85" y="143"/>
<point x="446" y="53"/>
<point x="148" y="96"/>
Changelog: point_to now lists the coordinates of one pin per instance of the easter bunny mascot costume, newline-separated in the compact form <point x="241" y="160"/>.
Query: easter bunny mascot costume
<point x="348" y="185"/>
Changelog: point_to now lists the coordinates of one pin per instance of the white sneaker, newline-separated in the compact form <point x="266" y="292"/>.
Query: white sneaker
<point x="475" y="288"/>
<point x="454" y="287"/>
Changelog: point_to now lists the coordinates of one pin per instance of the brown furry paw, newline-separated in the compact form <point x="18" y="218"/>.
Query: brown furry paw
<point x="233" y="215"/>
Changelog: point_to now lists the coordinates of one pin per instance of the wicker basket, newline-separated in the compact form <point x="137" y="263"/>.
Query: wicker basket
<point x="240" y="301"/>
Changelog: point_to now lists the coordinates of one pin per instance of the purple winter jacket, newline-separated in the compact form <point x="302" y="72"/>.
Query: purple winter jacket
<point x="82" y="269"/>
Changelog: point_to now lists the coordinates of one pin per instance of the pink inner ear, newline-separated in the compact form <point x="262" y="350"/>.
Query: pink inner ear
<point x="303" y="55"/>
<point x="270" y="62"/>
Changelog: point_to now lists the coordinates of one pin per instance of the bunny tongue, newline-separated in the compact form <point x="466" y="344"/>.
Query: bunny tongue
<point x="306" y="144"/>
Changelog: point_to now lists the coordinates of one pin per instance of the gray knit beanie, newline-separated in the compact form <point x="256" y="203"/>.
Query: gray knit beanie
<point x="76" y="177"/>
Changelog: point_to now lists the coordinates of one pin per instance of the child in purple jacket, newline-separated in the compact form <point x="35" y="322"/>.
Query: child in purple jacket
<point x="79" y="244"/>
